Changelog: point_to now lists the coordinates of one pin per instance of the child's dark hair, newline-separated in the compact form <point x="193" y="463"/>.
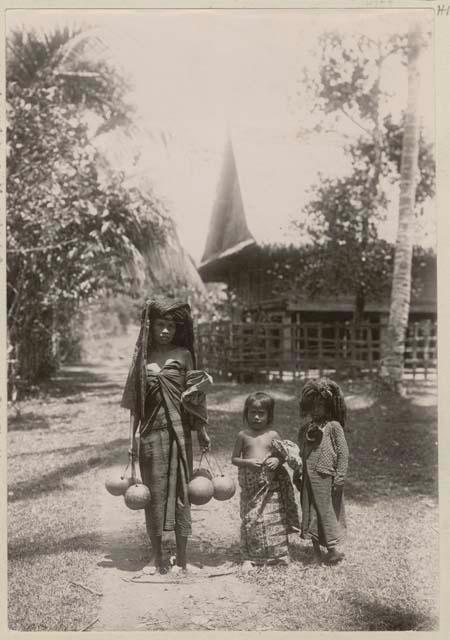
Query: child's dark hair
<point x="330" y="392"/>
<point x="265" y="400"/>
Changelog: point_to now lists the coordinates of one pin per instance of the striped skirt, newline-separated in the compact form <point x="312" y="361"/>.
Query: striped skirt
<point x="160" y="471"/>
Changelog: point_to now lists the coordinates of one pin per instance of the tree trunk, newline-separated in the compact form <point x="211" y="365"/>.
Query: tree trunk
<point x="394" y="347"/>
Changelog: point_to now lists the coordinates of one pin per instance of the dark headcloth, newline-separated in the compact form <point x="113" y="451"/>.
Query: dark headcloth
<point x="133" y="397"/>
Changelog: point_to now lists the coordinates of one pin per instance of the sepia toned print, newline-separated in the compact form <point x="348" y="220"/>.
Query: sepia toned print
<point x="222" y="252"/>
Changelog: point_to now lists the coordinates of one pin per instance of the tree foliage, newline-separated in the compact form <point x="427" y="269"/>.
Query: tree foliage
<point x="70" y="233"/>
<point x="344" y="214"/>
<point x="308" y="271"/>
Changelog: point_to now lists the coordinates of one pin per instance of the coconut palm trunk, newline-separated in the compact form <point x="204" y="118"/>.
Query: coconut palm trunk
<point x="394" y="344"/>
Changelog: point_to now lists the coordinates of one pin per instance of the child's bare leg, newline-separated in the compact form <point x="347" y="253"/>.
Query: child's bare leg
<point x="317" y="552"/>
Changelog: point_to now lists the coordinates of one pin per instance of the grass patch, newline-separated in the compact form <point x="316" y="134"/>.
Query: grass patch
<point x="58" y="532"/>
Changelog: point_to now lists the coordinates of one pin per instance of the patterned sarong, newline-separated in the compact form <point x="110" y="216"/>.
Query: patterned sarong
<point x="268" y="510"/>
<point x="165" y="450"/>
<point x="158" y="461"/>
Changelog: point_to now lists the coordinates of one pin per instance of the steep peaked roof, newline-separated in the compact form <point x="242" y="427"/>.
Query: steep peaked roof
<point x="228" y="229"/>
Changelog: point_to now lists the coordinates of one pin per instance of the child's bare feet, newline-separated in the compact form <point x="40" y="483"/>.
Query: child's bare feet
<point x="334" y="556"/>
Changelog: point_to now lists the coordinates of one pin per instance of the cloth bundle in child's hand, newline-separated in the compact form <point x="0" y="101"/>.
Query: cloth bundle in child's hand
<point x="290" y="453"/>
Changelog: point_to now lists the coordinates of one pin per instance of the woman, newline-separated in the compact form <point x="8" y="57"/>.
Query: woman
<point x="165" y="395"/>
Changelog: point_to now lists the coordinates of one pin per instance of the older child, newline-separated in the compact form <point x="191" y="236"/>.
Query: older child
<point x="268" y="509"/>
<point x="324" y="452"/>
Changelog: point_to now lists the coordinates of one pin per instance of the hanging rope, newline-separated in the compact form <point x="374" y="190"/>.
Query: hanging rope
<point x="201" y="458"/>
<point x="209" y="465"/>
<point x="217" y="464"/>
<point x="123" y="475"/>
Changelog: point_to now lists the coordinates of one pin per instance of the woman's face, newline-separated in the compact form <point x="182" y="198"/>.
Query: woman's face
<point x="163" y="331"/>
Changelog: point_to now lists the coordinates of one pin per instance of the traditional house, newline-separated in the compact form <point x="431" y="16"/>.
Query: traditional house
<point x="313" y="329"/>
<point x="234" y="255"/>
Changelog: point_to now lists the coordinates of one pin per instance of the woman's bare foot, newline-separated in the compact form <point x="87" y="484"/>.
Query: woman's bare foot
<point x="154" y="565"/>
<point x="150" y="570"/>
<point x="189" y="569"/>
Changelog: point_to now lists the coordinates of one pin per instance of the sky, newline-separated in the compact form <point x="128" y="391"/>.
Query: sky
<point x="199" y="76"/>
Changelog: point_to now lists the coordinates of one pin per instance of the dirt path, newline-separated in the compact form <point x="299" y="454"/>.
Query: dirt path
<point x="203" y="601"/>
<point x="207" y="600"/>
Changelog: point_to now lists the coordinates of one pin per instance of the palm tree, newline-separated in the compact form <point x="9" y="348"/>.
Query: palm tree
<point x="394" y="347"/>
<point x="29" y="53"/>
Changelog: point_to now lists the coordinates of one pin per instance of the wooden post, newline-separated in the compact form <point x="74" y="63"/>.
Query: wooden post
<point x="286" y="343"/>
<point x="319" y="347"/>
<point x="369" y="347"/>
<point x="413" y="342"/>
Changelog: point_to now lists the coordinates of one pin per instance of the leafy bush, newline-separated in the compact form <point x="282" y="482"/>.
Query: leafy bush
<point x="71" y="234"/>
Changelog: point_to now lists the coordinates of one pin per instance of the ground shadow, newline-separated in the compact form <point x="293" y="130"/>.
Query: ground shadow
<point x="375" y="616"/>
<point x="28" y="421"/>
<point x="118" y="553"/>
<point x="20" y="549"/>
<point x="302" y="553"/>
<point x="206" y="554"/>
<point x="105" y="455"/>
<point x="58" y="450"/>
<point x="134" y="557"/>
<point x="123" y="556"/>
<point x="70" y="381"/>
<point x="392" y="442"/>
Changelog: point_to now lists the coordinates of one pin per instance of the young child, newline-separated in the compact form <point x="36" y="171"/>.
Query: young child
<point x="324" y="453"/>
<point x="268" y="509"/>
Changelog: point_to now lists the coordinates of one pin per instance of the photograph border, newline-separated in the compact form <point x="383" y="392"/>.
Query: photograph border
<point x="442" y="141"/>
